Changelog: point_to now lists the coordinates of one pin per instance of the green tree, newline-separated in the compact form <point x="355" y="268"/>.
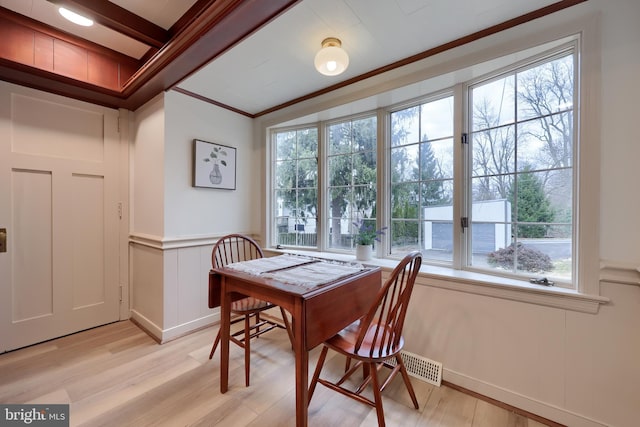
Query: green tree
<point x="432" y="189"/>
<point x="416" y="176"/>
<point x="296" y="175"/>
<point x="352" y="174"/>
<point x="532" y="206"/>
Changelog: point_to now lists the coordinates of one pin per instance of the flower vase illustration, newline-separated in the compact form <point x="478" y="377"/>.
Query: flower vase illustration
<point x="215" y="176"/>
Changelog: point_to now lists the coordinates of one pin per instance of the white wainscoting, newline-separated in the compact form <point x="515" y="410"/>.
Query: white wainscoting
<point x="538" y="358"/>
<point x="169" y="281"/>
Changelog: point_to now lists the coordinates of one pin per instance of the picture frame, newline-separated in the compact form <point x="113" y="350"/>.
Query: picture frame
<point x="214" y="165"/>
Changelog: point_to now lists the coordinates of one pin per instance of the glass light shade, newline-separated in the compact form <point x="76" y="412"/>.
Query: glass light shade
<point x="331" y="60"/>
<point x="75" y="18"/>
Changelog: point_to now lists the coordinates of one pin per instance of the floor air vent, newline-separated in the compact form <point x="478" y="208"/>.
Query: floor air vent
<point x="421" y="367"/>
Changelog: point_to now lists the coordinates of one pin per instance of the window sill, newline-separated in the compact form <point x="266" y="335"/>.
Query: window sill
<point x="483" y="284"/>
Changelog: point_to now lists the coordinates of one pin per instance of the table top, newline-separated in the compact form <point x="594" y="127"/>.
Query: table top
<point x="295" y="275"/>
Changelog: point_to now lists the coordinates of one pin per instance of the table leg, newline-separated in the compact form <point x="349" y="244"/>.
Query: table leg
<point x="225" y="324"/>
<point x="302" y="365"/>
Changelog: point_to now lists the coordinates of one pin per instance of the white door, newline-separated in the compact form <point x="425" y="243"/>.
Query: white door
<point x="58" y="204"/>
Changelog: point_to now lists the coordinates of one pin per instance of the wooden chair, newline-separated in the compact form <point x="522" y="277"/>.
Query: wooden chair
<point x="234" y="248"/>
<point x="374" y="339"/>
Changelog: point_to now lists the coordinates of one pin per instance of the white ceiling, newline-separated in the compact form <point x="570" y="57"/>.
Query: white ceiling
<point x="275" y="64"/>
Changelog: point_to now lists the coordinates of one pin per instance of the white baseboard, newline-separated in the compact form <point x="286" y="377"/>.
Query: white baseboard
<point x="149" y="327"/>
<point x="185" y="328"/>
<point x="165" y="335"/>
<point x="519" y="401"/>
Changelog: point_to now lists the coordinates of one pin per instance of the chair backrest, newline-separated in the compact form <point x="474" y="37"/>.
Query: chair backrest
<point x="234" y="248"/>
<point x="229" y="249"/>
<point x="380" y="330"/>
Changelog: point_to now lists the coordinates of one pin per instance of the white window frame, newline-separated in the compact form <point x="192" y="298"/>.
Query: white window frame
<point x="387" y="147"/>
<point x="272" y="179"/>
<point x="324" y="169"/>
<point x="571" y="48"/>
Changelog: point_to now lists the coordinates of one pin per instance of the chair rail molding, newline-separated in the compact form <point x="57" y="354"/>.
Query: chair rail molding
<point x="178" y="242"/>
<point x="618" y="272"/>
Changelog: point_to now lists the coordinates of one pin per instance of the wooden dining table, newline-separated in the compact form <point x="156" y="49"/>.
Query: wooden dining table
<point x="318" y="312"/>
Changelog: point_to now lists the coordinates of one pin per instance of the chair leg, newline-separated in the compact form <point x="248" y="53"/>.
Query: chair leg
<point x="377" y="395"/>
<point x="316" y="373"/>
<point x="215" y="345"/>
<point x="247" y="348"/>
<point x="257" y="315"/>
<point x="347" y="365"/>
<point x="288" y="326"/>
<point x="407" y="381"/>
<point x="348" y="373"/>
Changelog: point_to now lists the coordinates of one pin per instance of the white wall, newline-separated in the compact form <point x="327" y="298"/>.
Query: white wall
<point x="147" y="180"/>
<point x="575" y="368"/>
<point x="147" y="215"/>
<point x="620" y="204"/>
<point x="195" y="211"/>
<point x="176" y="224"/>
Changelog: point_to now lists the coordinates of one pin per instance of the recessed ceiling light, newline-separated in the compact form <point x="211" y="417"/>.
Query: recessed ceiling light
<point x="75" y="18"/>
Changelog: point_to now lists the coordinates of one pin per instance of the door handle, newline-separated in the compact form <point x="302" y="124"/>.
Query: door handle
<point x="3" y="240"/>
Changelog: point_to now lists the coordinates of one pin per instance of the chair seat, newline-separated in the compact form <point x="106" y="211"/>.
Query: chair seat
<point x="250" y="304"/>
<point x="345" y="342"/>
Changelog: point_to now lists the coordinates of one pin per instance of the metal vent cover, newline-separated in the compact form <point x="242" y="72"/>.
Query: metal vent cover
<point x="420" y="367"/>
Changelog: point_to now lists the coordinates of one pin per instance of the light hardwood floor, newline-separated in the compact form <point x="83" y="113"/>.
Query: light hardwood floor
<point x="116" y="375"/>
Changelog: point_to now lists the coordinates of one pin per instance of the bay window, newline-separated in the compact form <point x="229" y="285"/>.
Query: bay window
<point x="480" y="176"/>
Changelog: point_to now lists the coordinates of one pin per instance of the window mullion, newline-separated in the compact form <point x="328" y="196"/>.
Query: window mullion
<point x="322" y="214"/>
<point x="461" y="178"/>
<point x="383" y="180"/>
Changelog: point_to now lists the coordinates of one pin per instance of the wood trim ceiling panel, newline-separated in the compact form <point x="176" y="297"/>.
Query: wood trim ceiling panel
<point x="42" y="57"/>
<point x="49" y="55"/>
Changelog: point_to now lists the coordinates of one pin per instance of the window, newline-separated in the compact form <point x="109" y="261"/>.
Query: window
<point x="422" y="180"/>
<point x="352" y="170"/>
<point x="480" y="176"/>
<point x="295" y="187"/>
<point x="521" y="175"/>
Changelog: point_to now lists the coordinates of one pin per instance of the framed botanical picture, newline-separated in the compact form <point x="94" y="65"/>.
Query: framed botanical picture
<point x="214" y="165"/>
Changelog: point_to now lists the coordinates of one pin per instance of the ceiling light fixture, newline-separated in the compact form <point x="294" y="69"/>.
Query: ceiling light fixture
<point x="75" y="18"/>
<point x="331" y="60"/>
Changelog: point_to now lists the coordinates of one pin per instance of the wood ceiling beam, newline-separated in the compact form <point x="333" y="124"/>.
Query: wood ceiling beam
<point x="118" y="19"/>
<point x="222" y="25"/>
